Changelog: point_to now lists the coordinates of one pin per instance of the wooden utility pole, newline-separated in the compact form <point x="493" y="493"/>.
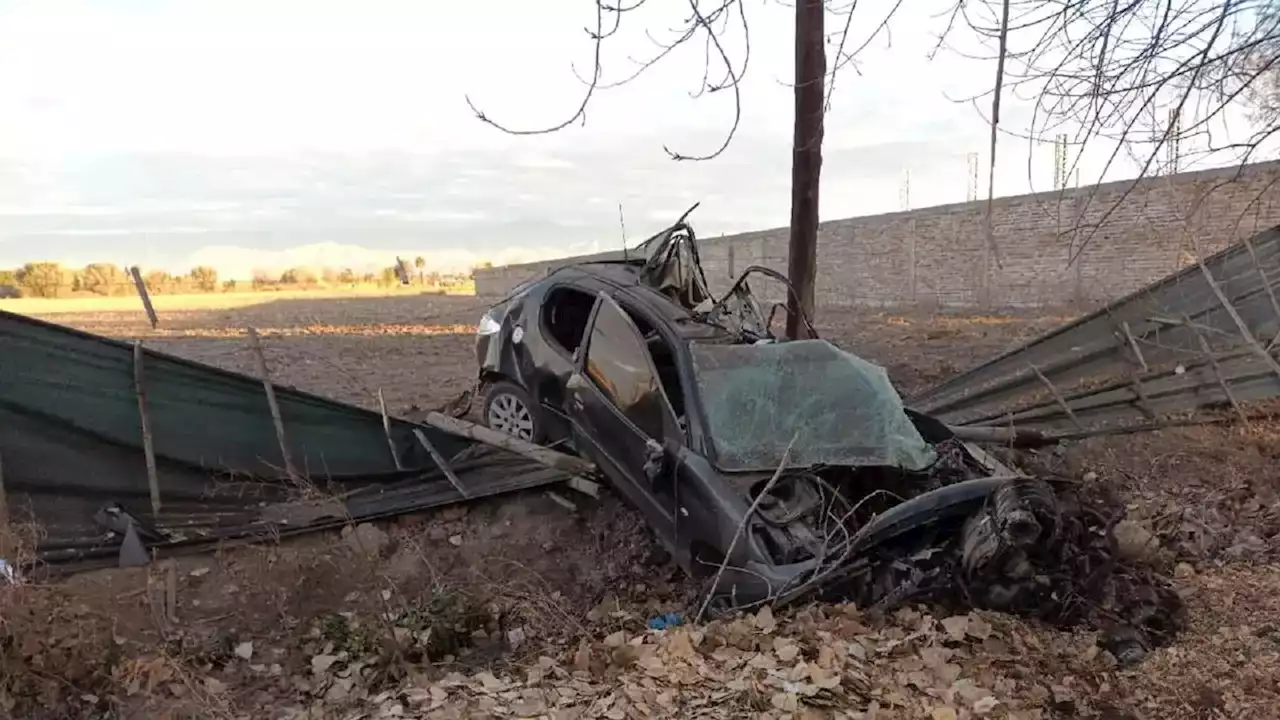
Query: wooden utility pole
<point x="806" y="162"/>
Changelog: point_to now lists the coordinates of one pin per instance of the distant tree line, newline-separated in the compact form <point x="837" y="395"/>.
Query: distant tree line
<point x="52" y="280"/>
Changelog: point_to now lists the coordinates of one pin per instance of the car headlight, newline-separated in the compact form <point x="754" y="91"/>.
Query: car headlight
<point x="488" y="326"/>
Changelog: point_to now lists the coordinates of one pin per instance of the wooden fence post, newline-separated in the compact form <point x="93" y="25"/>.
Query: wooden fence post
<point x="386" y="429"/>
<point x="261" y="357"/>
<point x="146" y="297"/>
<point x="148" y="447"/>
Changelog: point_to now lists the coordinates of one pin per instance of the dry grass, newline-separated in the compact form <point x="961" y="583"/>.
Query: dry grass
<point x="568" y="580"/>
<point x="206" y="301"/>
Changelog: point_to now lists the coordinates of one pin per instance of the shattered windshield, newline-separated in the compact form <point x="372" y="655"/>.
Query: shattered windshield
<point x="844" y="408"/>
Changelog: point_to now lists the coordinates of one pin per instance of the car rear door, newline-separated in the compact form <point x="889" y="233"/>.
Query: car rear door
<point x="618" y="408"/>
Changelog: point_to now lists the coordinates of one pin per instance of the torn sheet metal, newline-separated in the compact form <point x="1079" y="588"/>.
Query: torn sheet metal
<point x="71" y="440"/>
<point x="195" y="530"/>
<point x="672" y="265"/>
<point x="1204" y="337"/>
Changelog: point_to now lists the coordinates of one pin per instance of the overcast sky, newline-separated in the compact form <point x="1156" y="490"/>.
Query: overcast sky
<point x="268" y="133"/>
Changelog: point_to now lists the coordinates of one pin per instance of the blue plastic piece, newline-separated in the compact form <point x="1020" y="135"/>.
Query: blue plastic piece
<point x="662" y="622"/>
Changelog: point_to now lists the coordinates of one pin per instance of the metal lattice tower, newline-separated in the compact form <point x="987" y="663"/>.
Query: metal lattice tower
<point x="1060" y="161"/>
<point x="972" y="191"/>
<point x="1173" y="142"/>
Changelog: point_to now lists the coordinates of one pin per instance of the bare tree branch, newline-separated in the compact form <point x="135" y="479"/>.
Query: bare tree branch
<point x="1156" y="83"/>
<point x="1149" y="80"/>
<point x="708" y="22"/>
<point x="599" y="36"/>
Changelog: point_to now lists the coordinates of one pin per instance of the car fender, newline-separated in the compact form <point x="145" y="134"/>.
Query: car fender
<point x="506" y="358"/>
<point x="959" y="499"/>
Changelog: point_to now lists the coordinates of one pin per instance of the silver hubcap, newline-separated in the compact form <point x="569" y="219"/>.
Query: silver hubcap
<point x="508" y="414"/>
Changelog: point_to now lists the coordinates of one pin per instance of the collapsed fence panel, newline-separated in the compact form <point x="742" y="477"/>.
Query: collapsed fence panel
<point x="1201" y="338"/>
<point x="71" y="436"/>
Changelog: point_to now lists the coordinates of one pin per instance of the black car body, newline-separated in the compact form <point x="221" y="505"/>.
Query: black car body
<point x="770" y="466"/>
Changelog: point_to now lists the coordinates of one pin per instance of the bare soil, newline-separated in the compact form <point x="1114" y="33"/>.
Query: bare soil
<point x="552" y="580"/>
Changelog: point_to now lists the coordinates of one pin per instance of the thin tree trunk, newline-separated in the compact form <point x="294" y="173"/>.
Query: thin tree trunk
<point x="806" y="162"/>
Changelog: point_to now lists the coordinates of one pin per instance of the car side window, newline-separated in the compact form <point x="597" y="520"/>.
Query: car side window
<point x="617" y="361"/>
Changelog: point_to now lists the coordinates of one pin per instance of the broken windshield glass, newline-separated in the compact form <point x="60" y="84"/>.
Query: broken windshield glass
<point x="844" y="408"/>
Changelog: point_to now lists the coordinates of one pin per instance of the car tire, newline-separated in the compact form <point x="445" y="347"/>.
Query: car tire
<point x="509" y="409"/>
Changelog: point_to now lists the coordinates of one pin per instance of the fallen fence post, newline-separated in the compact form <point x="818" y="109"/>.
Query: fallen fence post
<point x="440" y="462"/>
<point x="1217" y="374"/>
<point x="537" y="453"/>
<point x="148" y="446"/>
<point x="1266" y="283"/>
<point x="586" y="487"/>
<point x="1001" y="435"/>
<point x="146" y="297"/>
<point x="1135" y="380"/>
<point x="987" y="460"/>
<point x="562" y="501"/>
<point x="1133" y="344"/>
<point x="1053" y="389"/>
<point x="270" y="389"/>
<point x="1142" y="401"/>
<point x="386" y="429"/>
<point x="1240" y="324"/>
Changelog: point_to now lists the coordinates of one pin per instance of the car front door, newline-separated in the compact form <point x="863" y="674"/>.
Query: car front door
<point x="618" y="409"/>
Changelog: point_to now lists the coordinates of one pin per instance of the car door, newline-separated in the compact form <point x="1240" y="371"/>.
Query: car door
<point x="618" y="409"/>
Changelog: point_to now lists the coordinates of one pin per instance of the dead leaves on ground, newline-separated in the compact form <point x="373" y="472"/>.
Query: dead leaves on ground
<point x="823" y="662"/>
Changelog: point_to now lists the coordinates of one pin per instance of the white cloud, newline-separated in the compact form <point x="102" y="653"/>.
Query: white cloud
<point x="428" y="215"/>
<point x="119" y="232"/>
<point x="339" y="127"/>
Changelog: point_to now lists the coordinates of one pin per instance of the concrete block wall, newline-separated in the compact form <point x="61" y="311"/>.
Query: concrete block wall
<point x="1082" y="246"/>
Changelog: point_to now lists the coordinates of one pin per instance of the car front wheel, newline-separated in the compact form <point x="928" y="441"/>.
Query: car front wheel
<point x="509" y="409"/>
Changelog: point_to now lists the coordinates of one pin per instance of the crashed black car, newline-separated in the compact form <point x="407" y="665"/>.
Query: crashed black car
<point x="775" y="469"/>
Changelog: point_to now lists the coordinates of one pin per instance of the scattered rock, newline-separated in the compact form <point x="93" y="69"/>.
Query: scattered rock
<point x="515" y="637"/>
<point x="455" y="540"/>
<point x="366" y="539"/>
<point x="1183" y="570"/>
<point x="1134" y="542"/>
<point x="244" y="650"/>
